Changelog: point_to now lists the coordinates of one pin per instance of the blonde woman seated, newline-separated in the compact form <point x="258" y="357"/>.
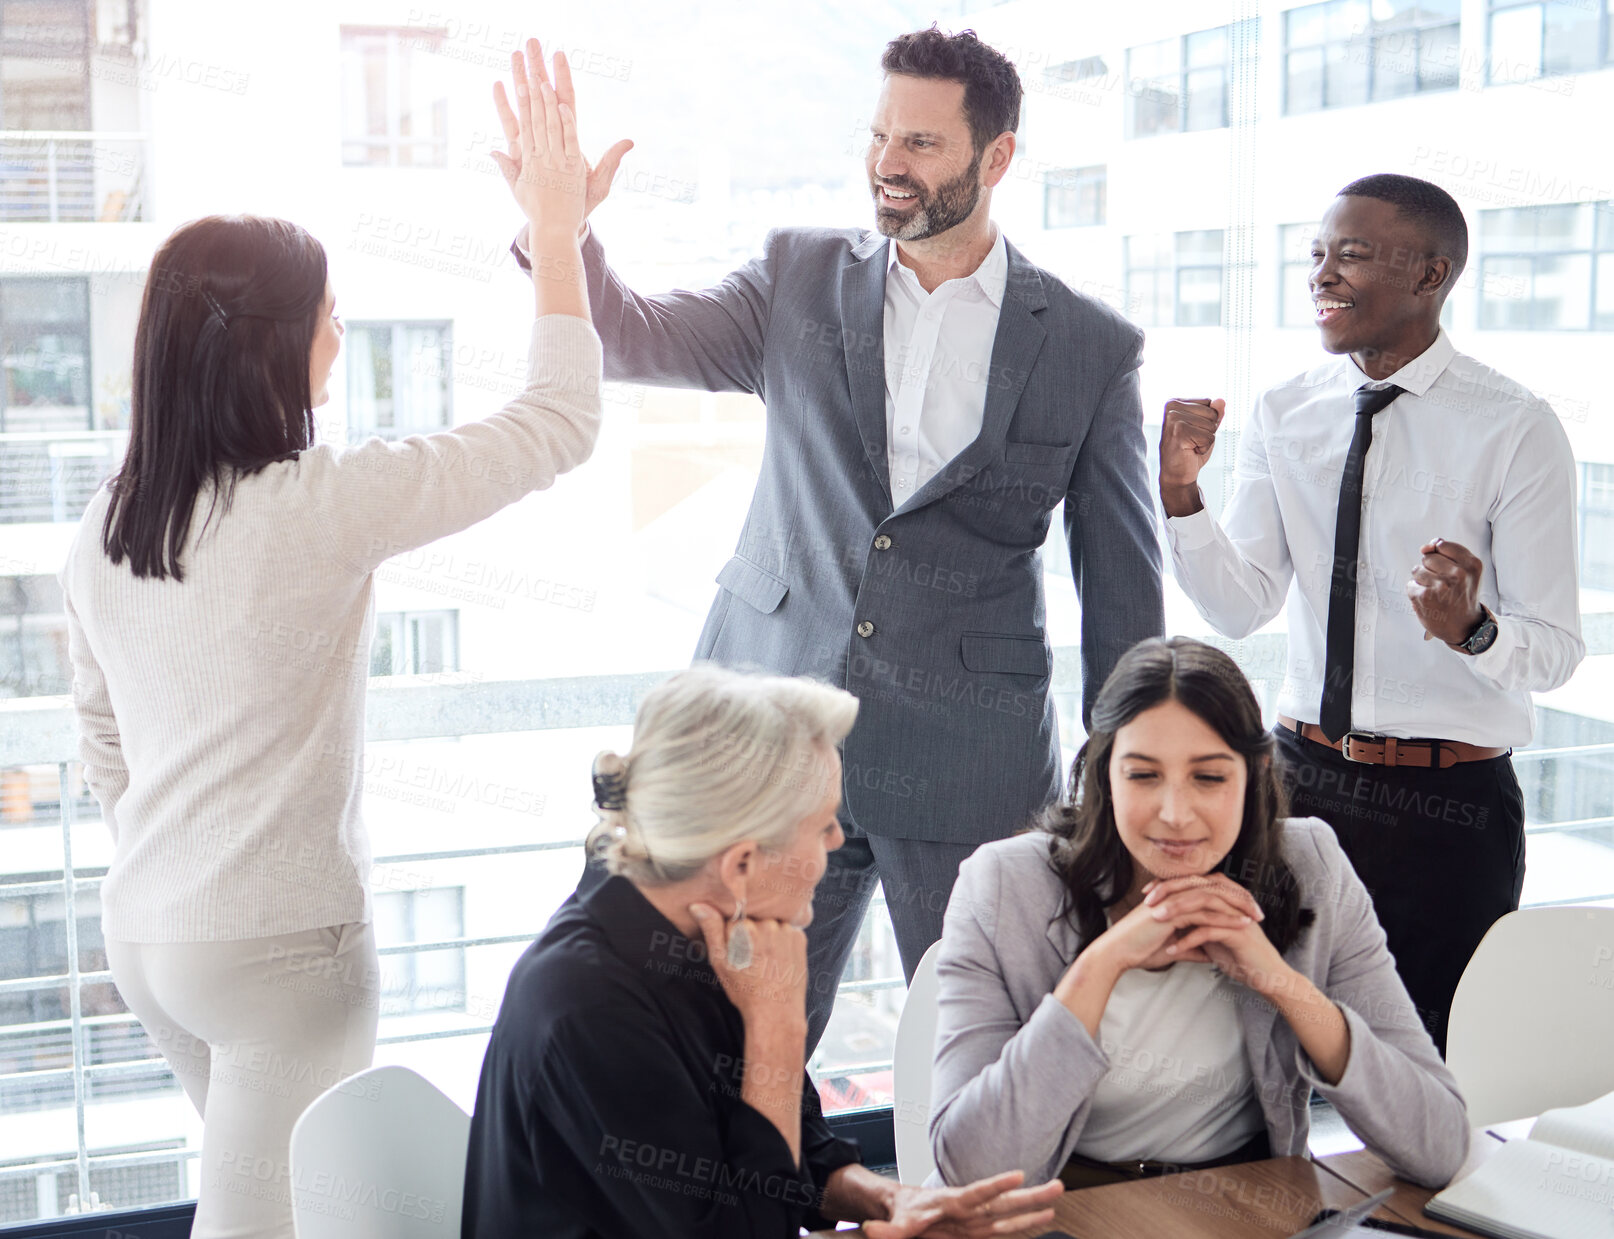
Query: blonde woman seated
<point x="646" y="1074"/>
<point x="1158" y="977"/>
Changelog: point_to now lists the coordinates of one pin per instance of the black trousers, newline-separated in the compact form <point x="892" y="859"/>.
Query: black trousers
<point x="1440" y="851"/>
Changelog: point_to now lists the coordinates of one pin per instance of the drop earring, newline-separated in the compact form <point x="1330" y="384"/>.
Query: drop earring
<point x="738" y="951"/>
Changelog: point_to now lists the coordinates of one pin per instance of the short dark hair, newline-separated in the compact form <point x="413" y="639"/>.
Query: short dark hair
<point x="1428" y="206"/>
<point x="221" y="361"/>
<point x="992" y="90"/>
<point x="1086" y="849"/>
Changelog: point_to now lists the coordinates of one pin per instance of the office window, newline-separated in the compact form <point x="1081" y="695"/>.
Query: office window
<point x="1548" y="268"/>
<point x="45" y="354"/>
<point x="394" y="113"/>
<point x="1177" y="85"/>
<point x="1347" y="52"/>
<point x="1174" y="279"/>
<point x="1074" y="198"/>
<point x="1547" y="37"/>
<point x="1597" y="526"/>
<point x="421" y="981"/>
<point x="1294" y="259"/>
<point x="398" y="380"/>
<point x="415" y="643"/>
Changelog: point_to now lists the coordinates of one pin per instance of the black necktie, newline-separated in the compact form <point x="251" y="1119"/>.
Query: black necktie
<point x="1341" y="655"/>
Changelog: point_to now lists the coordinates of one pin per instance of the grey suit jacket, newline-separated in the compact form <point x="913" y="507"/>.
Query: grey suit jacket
<point x="932" y="616"/>
<point x="1015" y="1070"/>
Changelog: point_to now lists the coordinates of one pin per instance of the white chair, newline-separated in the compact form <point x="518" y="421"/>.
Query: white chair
<point x="911" y="1064"/>
<point x="1532" y="1022"/>
<point x="379" y="1156"/>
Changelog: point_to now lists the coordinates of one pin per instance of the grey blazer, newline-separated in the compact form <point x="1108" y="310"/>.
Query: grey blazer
<point x="1015" y="1069"/>
<point x="932" y="616"/>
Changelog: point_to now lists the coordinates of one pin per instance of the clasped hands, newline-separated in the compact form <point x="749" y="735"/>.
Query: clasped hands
<point x="1197" y="919"/>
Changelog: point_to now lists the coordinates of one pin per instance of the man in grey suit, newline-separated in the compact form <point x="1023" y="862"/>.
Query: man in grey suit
<point x="931" y="398"/>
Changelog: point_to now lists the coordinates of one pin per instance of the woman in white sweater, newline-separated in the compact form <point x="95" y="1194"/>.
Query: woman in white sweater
<point x="220" y="610"/>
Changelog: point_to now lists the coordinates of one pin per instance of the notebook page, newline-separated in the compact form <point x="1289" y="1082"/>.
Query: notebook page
<point x="1534" y="1191"/>
<point x="1587" y="1129"/>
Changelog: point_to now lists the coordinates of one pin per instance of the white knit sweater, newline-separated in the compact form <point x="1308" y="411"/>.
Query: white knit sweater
<point x="221" y="718"/>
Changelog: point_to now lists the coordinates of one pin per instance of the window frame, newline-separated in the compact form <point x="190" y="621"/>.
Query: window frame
<point x="1603" y="58"/>
<point x="1182" y="73"/>
<point x="1601" y="246"/>
<point x="398" y="41"/>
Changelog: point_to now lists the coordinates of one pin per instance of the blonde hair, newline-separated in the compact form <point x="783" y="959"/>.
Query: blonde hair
<point x="718" y="756"/>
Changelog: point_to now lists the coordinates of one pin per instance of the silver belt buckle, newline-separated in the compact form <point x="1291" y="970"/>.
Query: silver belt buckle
<point x="1366" y="737"/>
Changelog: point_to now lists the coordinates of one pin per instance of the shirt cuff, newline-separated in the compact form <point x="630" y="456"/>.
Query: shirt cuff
<point x="1492" y="664"/>
<point x="1190" y="533"/>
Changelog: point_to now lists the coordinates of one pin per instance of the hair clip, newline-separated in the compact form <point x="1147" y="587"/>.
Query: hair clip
<point x="212" y="302"/>
<point x="610" y="790"/>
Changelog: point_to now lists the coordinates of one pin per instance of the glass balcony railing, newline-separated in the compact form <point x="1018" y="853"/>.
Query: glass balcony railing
<point x="470" y="785"/>
<point x="51" y="475"/>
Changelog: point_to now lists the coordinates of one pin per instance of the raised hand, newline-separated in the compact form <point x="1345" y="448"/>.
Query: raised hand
<point x="542" y="164"/>
<point x="597" y="177"/>
<point x="1187" y="437"/>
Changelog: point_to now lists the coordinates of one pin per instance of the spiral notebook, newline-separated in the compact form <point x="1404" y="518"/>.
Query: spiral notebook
<point x="1558" y="1184"/>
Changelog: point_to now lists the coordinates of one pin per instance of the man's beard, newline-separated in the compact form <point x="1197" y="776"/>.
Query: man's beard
<point x="942" y="208"/>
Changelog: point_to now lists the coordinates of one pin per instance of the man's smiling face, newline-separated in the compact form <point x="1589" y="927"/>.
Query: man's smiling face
<point x="1371" y="279"/>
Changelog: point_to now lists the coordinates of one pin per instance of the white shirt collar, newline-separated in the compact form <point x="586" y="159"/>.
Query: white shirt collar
<point x="1418" y="375"/>
<point x="991" y="277"/>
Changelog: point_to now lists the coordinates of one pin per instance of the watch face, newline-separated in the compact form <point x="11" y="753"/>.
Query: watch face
<point x="1483" y="638"/>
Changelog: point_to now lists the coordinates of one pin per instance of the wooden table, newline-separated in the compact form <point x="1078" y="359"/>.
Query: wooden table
<point x="1263" y="1200"/>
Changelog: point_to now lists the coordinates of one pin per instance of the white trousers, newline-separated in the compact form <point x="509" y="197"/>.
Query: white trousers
<point x="255" y="1030"/>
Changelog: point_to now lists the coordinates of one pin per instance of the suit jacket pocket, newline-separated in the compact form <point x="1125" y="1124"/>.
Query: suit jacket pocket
<point x="985" y="651"/>
<point x="753" y="585"/>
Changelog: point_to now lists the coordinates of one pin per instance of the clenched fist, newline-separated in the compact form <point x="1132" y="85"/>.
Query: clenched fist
<point x="1187" y="437"/>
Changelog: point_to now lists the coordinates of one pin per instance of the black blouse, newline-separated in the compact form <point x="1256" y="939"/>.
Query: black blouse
<point x="610" y="1105"/>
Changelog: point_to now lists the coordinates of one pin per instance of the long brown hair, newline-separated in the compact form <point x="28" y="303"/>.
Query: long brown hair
<point x="220" y="377"/>
<point x="1086" y="849"/>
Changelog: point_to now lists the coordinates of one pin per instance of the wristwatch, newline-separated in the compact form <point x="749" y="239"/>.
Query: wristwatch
<point x="1483" y="636"/>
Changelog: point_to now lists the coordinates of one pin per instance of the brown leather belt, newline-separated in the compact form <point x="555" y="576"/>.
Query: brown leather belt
<point x="1371" y="750"/>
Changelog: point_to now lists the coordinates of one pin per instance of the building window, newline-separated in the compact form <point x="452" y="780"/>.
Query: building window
<point x="45" y="355"/>
<point x="1174" y="279"/>
<point x="1345" y="52"/>
<point x="1178" y="84"/>
<point x="398" y="380"/>
<point x="1548" y="268"/>
<point x="419" y="981"/>
<point x="1294" y="287"/>
<point x="1597" y="526"/>
<point x="394" y="113"/>
<point x="1544" y="38"/>
<point x="1074" y="198"/>
<point x="415" y="643"/>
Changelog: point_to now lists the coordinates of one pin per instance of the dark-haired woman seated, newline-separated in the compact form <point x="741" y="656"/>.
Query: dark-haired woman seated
<point x="1160" y="976"/>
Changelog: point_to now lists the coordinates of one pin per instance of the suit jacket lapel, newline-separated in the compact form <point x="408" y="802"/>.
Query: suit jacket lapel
<point x="863" y="339"/>
<point x="1014" y="350"/>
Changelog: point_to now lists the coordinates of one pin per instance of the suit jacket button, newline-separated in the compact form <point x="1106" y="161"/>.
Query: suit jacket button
<point x="865" y="629"/>
<point x="882" y="543"/>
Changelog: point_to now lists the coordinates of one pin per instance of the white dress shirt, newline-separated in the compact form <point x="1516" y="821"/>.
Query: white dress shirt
<point x="1465" y="454"/>
<point x="938" y="347"/>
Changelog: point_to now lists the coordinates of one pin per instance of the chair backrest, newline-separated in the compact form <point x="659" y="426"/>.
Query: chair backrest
<point x="1532" y="1022"/>
<point x="910" y="1071"/>
<point x="379" y="1156"/>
